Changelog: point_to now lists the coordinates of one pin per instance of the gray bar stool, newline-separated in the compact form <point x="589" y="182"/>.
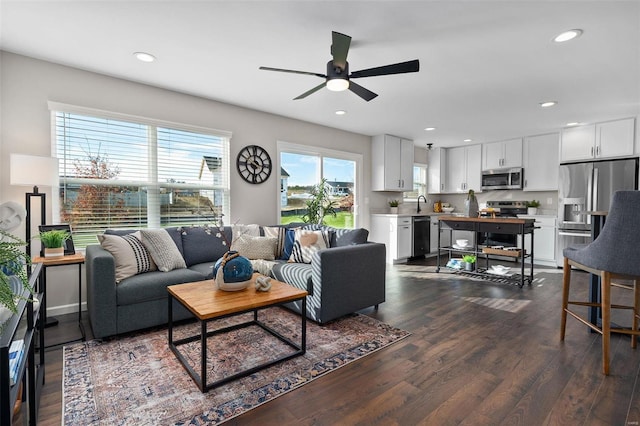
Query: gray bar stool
<point x="613" y="255"/>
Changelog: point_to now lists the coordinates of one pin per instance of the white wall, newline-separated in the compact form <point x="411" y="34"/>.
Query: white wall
<point x="26" y="85"/>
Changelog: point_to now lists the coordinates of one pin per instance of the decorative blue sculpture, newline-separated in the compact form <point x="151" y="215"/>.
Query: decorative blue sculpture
<point x="232" y="272"/>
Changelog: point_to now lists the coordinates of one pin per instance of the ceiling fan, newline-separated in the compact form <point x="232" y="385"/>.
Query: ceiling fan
<point x="338" y="77"/>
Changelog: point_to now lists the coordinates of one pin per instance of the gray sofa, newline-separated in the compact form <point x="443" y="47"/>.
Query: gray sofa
<point x="347" y="277"/>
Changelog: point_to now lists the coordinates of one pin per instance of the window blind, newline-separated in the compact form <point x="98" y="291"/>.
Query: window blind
<point x="122" y="174"/>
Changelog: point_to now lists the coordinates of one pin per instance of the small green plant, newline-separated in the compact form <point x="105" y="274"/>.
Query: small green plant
<point x="469" y="258"/>
<point x="320" y="204"/>
<point x="533" y="203"/>
<point x="12" y="261"/>
<point x="54" y="238"/>
<point x="393" y="203"/>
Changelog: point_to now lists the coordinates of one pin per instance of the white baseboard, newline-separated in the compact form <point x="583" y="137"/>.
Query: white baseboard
<point x="65" y="309"/>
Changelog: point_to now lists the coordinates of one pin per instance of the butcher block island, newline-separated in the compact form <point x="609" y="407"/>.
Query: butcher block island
<point x="489" y="254"/>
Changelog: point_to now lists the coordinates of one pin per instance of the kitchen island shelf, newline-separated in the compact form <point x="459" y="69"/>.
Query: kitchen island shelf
<point x="490" y="225"/>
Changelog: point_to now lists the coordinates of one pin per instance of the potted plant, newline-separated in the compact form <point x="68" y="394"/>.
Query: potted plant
<point x="320" y="204"/>
<point x="393" y="204"/>
<point x="53" y="241"/>
<point x="13" y="275"/>
<point x="469" y="262"/>
<point x="532" y="206"/>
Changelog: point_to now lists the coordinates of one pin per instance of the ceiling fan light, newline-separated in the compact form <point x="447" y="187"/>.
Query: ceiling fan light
<point x="338" y="84"/>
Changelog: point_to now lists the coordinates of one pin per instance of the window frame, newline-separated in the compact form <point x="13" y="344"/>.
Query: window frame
<point x="425" y="184"/>
<point x="153" y="217"/>
<point x="282" y="146"/>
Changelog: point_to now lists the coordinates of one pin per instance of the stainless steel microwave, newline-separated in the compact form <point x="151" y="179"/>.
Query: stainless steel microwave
<point x="503" y="179"/>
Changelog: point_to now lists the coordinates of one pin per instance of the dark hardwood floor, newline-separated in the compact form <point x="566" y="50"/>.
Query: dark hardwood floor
<point x="470" y="360"/>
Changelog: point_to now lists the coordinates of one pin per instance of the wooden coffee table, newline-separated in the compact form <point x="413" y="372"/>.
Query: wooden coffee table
<point x="208" y="303"/>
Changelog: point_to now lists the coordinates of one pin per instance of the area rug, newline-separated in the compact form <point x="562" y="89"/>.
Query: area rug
<point x="138" y="380"/>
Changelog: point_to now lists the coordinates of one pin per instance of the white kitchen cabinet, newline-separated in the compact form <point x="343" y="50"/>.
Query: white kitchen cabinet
<point x="392" y="163"/>
<point x="540" y="162"/>
<point x="502" y="155"/>
<point x="615" y="138"/>
<point x="436" y="170"/>
<point x="598" y="141"/>
<point x="396" y="232"/>
<point x="544" y="240"/>
<point x="464" y="169"/>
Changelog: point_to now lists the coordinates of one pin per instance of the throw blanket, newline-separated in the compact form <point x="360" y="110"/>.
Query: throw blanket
<point x="238" y="230"/>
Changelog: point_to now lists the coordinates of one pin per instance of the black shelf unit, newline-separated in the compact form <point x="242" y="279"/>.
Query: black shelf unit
<point x="475" y="249"/>
<point x="24" y="325"/>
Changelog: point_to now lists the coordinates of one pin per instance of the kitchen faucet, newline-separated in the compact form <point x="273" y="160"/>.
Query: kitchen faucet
<point x="425" y="200"/>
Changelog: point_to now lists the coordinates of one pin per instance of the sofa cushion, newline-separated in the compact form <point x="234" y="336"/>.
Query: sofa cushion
<point x="205" y="269"/>
<point x="163" y="250"/>
<point x="130" y="256"/>
<point x="307" y="243"/>
<point x="255" y="247"/>
<point x="202" y="244"/>
<point x="152" y="285"/>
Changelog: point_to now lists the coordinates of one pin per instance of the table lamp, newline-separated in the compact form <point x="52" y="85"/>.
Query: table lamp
<point x="31" y="170"/>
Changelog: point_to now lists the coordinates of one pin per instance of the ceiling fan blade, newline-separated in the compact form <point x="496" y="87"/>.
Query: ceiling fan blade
<point x="309" y="92"/>
<point x="340" y="48"/>
<point x="399" y="68"/>
<point x="293" y="71"/>
<point x="365" y="94"/>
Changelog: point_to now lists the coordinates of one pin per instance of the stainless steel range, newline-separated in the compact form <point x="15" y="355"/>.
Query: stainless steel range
<point x="504" y="208"/>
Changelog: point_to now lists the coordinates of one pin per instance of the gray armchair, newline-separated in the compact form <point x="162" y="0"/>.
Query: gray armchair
<point x="611" y="256"/>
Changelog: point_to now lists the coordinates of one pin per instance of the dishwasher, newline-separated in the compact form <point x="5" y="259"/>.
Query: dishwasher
<point x="421" y="236"/>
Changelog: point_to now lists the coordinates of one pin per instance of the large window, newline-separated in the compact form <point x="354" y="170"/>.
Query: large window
<point x="303" y="167"/>
<point x="117" y="172"/>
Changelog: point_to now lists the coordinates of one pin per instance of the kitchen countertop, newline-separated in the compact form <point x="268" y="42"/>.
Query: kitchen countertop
<point x="421" y="214"/>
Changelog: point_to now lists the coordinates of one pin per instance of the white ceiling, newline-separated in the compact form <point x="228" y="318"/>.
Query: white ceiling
<point x="485" y="65"/>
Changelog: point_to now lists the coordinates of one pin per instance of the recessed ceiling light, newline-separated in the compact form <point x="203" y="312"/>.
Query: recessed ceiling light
<point x="574" y="123"/>
<point x="467" y="140"/>
<point x="341" y="112"/>
<point x="144" y="57"/>
<point x="548" y="104"/>
<point x="567" y="35"/>
<point x="428" y="129"/>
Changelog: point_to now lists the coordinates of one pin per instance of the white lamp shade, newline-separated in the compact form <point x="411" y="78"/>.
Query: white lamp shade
<point x="32" y="170"/>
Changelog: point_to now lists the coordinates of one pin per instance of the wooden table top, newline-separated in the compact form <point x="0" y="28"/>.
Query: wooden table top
<point x="515" y="220"/>
<point x="70" y="259"/>
<point x="206" y="301"/>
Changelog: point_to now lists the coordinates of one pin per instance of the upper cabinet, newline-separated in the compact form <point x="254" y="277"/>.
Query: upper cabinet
<point x="391" y="163"/>
<point x="595" y="141"/>
<point x="540" y="162"/>
<point x="463" y="169"/>
<point x="436" y="170"/>
<point x="502" y="155"/>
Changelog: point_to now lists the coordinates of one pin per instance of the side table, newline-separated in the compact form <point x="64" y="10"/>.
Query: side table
<point x="47" y="262"/>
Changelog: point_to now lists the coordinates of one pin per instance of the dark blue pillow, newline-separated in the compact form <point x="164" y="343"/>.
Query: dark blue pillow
<point x="289" y="239"/>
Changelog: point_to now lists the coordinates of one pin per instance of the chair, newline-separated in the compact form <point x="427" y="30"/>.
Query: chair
<point x="611" y="256"/>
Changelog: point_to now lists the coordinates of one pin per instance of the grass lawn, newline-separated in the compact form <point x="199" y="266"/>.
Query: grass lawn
<point x="342" y="220"/>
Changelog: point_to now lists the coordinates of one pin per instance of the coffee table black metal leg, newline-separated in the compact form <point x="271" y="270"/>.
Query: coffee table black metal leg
<point x="203" y="355"/>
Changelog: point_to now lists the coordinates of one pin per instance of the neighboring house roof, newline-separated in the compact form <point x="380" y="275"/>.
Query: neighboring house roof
<point x="336" y="184"/>
<point x="212" y="163"/>
<point x="283" y="173"/>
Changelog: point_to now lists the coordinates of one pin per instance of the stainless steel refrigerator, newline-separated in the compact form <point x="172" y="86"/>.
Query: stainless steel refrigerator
<point x="585" y="187"/>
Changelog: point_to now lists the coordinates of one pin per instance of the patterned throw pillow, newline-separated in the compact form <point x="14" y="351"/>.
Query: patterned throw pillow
<point x="279" y="233"/>
<point x="307" y="243"/>
<point x="255" y="247"/>
<point x="130" y="255"/>
<point x="162" y="249"/>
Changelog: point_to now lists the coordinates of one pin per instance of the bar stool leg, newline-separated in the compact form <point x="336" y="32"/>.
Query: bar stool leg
<point x="605" y="290"/>
<point x="566" y="282"/>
